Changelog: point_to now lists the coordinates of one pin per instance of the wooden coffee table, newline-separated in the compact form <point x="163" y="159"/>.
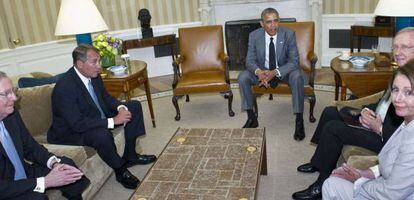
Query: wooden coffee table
<point x="123" y="84"/>
<point x="362" y="82"/>
<point x="201" y="163"/>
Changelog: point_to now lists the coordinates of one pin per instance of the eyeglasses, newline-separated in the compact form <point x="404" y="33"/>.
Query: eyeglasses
<point x="9" y="93"/>
<point x="402" y="48"/>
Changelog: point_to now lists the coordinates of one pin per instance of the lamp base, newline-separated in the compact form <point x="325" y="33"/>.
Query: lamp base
<point x="84" y="38"/>
<point x="403" y="22"/>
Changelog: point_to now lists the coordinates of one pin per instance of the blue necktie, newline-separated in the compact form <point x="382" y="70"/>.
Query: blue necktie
<point x="95" y="98"/>
<point x="11" y="152"/>
<point x="272" y="55"/>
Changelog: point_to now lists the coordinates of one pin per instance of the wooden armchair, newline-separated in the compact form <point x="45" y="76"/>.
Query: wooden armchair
<point x="305" y="32"/>
<point x="202" y="65"/>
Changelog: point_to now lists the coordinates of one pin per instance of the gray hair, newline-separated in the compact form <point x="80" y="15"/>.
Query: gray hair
<point x="3" y="75"/>
<point x="79" y="53"/>
<point x="269" y="11"/>
<point x="405" y="30"/>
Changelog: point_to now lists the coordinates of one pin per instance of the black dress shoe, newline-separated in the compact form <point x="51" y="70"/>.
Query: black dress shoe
<point x="251" y="123"/>
<point x="139" y="160"/>
<point x="299" y="131"/>
<point x="127" y="180"/>
<point x="307" y="168"/>
<point x="313" y="192"/>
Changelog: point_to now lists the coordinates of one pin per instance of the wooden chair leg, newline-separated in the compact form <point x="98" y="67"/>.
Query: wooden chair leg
<point x="177" y="109"/>
<point x="312" y="101"/>
<point x="187" y="98"/>
<point x="229" y="96"/>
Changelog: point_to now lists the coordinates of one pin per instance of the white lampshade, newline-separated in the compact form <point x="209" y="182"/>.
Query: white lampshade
<point x="78" y="17"/>
<point x="395" y="8"/>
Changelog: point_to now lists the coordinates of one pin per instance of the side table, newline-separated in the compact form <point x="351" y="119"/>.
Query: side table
<point x="136" y="75"/>
<point x="362" y="82"/>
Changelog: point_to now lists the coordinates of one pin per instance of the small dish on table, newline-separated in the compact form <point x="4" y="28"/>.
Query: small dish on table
<point x="359" y="62"/>
<point x="118" y="69"/>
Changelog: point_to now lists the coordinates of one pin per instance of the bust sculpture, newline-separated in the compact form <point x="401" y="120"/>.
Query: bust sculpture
<point x="144" y="17"/>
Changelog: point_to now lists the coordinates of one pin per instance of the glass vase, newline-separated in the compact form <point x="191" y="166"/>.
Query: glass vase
<point x="108" y="61"/>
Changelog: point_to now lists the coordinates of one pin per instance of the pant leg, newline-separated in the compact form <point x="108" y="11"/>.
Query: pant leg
<point x="334" y="136"/>
<point x="102" y="141"/>
<point x="296" y="84"/>
<point x="30" y="196"/>
<point x="246" y="79"/>
<point x="335" y="188"/>
<point x="329" y="113"/>
<point x="136" y="126"/>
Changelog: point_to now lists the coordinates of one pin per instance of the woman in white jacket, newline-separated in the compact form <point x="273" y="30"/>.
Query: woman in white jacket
<point x="393" y="177"/>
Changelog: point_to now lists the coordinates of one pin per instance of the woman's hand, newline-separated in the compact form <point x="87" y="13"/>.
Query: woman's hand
<point x="346" y="172"/>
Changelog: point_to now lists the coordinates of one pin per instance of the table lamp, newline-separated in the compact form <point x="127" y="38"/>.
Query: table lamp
<point x="80" y="18"/>
<point x="402" y="10"/>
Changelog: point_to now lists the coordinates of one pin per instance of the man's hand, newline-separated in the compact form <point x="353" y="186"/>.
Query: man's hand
<point x="123" y="117"/>
<point x="370" y="120"/>
<point x="265" y="76"/>
<point x="62" y="174"/>
<point x="270" y="75"/>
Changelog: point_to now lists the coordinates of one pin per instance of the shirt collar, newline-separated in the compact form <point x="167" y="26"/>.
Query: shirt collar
<point x="83" y="78"/>
<point x="268" y="37"/>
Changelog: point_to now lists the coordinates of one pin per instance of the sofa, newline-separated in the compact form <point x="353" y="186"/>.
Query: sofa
<point x="34" y="105"/>
<point x="354" y="156"/>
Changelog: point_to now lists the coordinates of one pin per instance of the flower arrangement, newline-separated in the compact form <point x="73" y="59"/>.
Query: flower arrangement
<point x="108" y="47"/>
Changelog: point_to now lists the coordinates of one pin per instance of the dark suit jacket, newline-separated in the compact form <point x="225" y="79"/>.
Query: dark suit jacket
<point x="74" y="112"/>
<point x="287" y="54"/>
<point x="28" y="149"/>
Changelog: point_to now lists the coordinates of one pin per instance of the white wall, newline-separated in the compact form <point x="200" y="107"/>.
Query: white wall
<point x="56" y="57"/>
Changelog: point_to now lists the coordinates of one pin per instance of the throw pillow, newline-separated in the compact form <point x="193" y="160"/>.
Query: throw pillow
<point x="32" y="82"/>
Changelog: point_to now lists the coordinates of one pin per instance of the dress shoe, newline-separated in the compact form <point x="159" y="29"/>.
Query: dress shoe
<point x="313" y="192"/>
<point x="251" y="123"/>
<point x="139" y="160"/>
<point x="127" y="180"/>
<point x="307" y="168"/>
<point x="299" y="130"/>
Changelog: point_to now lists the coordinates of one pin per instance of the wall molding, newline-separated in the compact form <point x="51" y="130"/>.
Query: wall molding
<point x="55" y="56"/>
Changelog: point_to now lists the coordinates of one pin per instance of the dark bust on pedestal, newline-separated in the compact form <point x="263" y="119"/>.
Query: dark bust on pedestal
<point x="145" y="17"/>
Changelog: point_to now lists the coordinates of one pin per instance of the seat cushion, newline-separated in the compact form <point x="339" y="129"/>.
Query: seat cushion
<point x="201" y="82"/>
<point x="76" y="153"/>
<point x="362" y="162"/>
<point x="282" y="88"/>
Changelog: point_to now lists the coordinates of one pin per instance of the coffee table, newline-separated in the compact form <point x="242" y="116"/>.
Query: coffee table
<point x="136" y="75"/>
<point x="201" y="163"/>
<point x="362" y="82"/>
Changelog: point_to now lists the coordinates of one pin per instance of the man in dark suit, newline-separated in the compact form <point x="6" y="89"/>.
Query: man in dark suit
<point x="83" y="113"/>
<point x="332" y="133"/>
<point x="272" y="56"/>
<point x="18" y="178"/>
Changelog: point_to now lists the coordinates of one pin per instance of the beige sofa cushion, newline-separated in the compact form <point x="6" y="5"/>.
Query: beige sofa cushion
<point x="34" y="105"/>
<point x="362" y="162"/>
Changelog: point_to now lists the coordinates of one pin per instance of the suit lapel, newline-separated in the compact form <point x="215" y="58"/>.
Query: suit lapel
<point x="97" y="87"/>
<point x="261" y="47"/>
<point x="280" y="43"/>
<point x="84" y="90"/>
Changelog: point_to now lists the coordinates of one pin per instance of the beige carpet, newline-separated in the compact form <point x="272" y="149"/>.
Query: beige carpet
<point x="283" y="153"/>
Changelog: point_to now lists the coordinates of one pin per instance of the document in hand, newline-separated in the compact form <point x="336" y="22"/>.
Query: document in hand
<point x="351" y="117"/>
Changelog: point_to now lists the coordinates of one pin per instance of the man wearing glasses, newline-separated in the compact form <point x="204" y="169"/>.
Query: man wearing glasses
<point x="83" y="113"/>
<point x="272" y="56"/>
<point x="23" y="180"/>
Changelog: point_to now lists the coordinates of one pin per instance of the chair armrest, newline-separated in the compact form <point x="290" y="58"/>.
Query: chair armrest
<point x="359" y="103"/>
<point x="224" y="57"/>
<point x="176" y="68"/>
<point x="226" y="60"/>
<point x="313" y="58"/>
